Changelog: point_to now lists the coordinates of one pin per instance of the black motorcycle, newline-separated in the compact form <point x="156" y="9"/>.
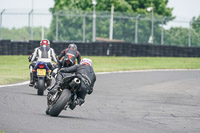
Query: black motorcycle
<point x="64" y="97"/>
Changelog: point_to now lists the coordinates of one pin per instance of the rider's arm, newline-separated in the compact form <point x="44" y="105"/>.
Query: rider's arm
<point x="78" y="57"/>
<point x="61" y="54"/>
<point x="70" y="69"/>
<point x="53" y="55"/>
<point x="34" y="55"/>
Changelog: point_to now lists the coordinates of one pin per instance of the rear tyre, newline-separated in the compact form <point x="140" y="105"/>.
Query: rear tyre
<point x="57" y="107"/>
<point x="40" y="87"/>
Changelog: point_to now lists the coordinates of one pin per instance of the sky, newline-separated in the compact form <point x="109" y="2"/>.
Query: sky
<point x="26" y="4"/>
<point x="184" y="10"/>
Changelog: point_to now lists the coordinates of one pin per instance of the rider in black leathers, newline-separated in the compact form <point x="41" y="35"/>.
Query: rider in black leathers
<point x="85" y="72"/>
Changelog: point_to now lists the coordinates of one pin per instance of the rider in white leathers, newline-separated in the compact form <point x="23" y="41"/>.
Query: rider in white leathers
<point x="44" y="54"/>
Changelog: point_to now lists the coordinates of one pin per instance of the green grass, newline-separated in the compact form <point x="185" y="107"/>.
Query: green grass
<point x="15" y="68"/>
<point x="102" y="64"/>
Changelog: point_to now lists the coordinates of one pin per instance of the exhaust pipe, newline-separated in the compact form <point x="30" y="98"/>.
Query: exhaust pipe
<point x="75" y="82"/>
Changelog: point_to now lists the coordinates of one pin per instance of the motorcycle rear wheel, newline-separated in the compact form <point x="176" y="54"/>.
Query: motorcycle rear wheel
<point x="40" y="87"/>
<point x="58" y="106"/>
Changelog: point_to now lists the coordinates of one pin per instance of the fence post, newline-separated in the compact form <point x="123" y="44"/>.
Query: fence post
<point x="162" y="33"/>
<point x="42" y="31"/>
<point x="152" y="30"/>
<point x="32" y="21"/>
<point x="57" y="24"/>
<point x="190" y="27"/>
<point x="94" y="21"/>
<point x="136" y="28"/>
<point x="111" y="23"/>
<point x="1" y="22"/>
<point x="84" y="23"/>
<point x="29" y="24"/>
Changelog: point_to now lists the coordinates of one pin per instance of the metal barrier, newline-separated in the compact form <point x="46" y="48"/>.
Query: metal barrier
<point x="8" y="47"/>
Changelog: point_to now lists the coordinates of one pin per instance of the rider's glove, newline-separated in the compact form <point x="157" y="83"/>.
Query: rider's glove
<point x="29" y="59"/>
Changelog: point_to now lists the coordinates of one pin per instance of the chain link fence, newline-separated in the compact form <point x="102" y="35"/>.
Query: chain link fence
<point x="77" y="26"/>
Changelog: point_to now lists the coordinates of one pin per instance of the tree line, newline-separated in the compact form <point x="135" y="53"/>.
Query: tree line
<point x="71" y="26"/>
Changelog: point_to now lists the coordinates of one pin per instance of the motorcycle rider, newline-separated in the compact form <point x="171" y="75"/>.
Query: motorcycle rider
<point x="44" y="54"/>
<point x="70" y="55"/>
<point x="85" y="72"/>
<point x="66" y="58"/>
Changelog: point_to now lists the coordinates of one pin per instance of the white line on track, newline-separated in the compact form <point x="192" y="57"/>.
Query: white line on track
<point x="99" y="73"/>
<point x="155" y="70"/>
<point x="17" y="84"/>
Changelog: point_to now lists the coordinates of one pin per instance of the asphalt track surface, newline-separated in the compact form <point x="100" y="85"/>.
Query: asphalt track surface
<point x="135" y="102"/>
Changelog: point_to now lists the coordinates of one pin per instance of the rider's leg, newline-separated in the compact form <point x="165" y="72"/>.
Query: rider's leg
<point x="56" y="85"/>
<point x="79" y="100"/>
<point x="31" y="74"/>
<point x="49" y="66"/>
<point x="81" y="94"/>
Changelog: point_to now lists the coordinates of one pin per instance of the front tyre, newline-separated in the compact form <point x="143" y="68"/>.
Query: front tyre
<point x="56" y="108"/>
<point x="40" y="87"/>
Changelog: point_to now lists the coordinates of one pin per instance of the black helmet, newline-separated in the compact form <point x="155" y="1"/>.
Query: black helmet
<point x="69" y="60"/>
<point x="72" y="46"/>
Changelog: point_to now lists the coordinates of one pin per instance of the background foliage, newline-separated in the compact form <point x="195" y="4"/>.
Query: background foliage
<point x="21" y="34"/>
<point x="71" y="21"/>
<point x="123" y="28"/>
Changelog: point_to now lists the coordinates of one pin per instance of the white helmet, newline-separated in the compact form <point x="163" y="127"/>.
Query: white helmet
<point x="86" y="61"/>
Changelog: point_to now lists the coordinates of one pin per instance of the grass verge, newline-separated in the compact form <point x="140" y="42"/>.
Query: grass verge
<point x="16" y="68"/>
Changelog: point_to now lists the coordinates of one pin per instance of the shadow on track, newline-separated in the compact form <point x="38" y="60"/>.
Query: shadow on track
<point x="32" y="94"/>
<point x="75" y="118"/>
<point x="72" y="117"/>
<point x="69" y="117"/>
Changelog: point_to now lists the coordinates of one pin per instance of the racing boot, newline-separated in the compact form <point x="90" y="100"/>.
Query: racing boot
<point x="79" y="101"/>
<point x="80" y="97"/>
<point x="31" y="80"/>
<point x="72" y="106"/>
<point x="53" y="89"/>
